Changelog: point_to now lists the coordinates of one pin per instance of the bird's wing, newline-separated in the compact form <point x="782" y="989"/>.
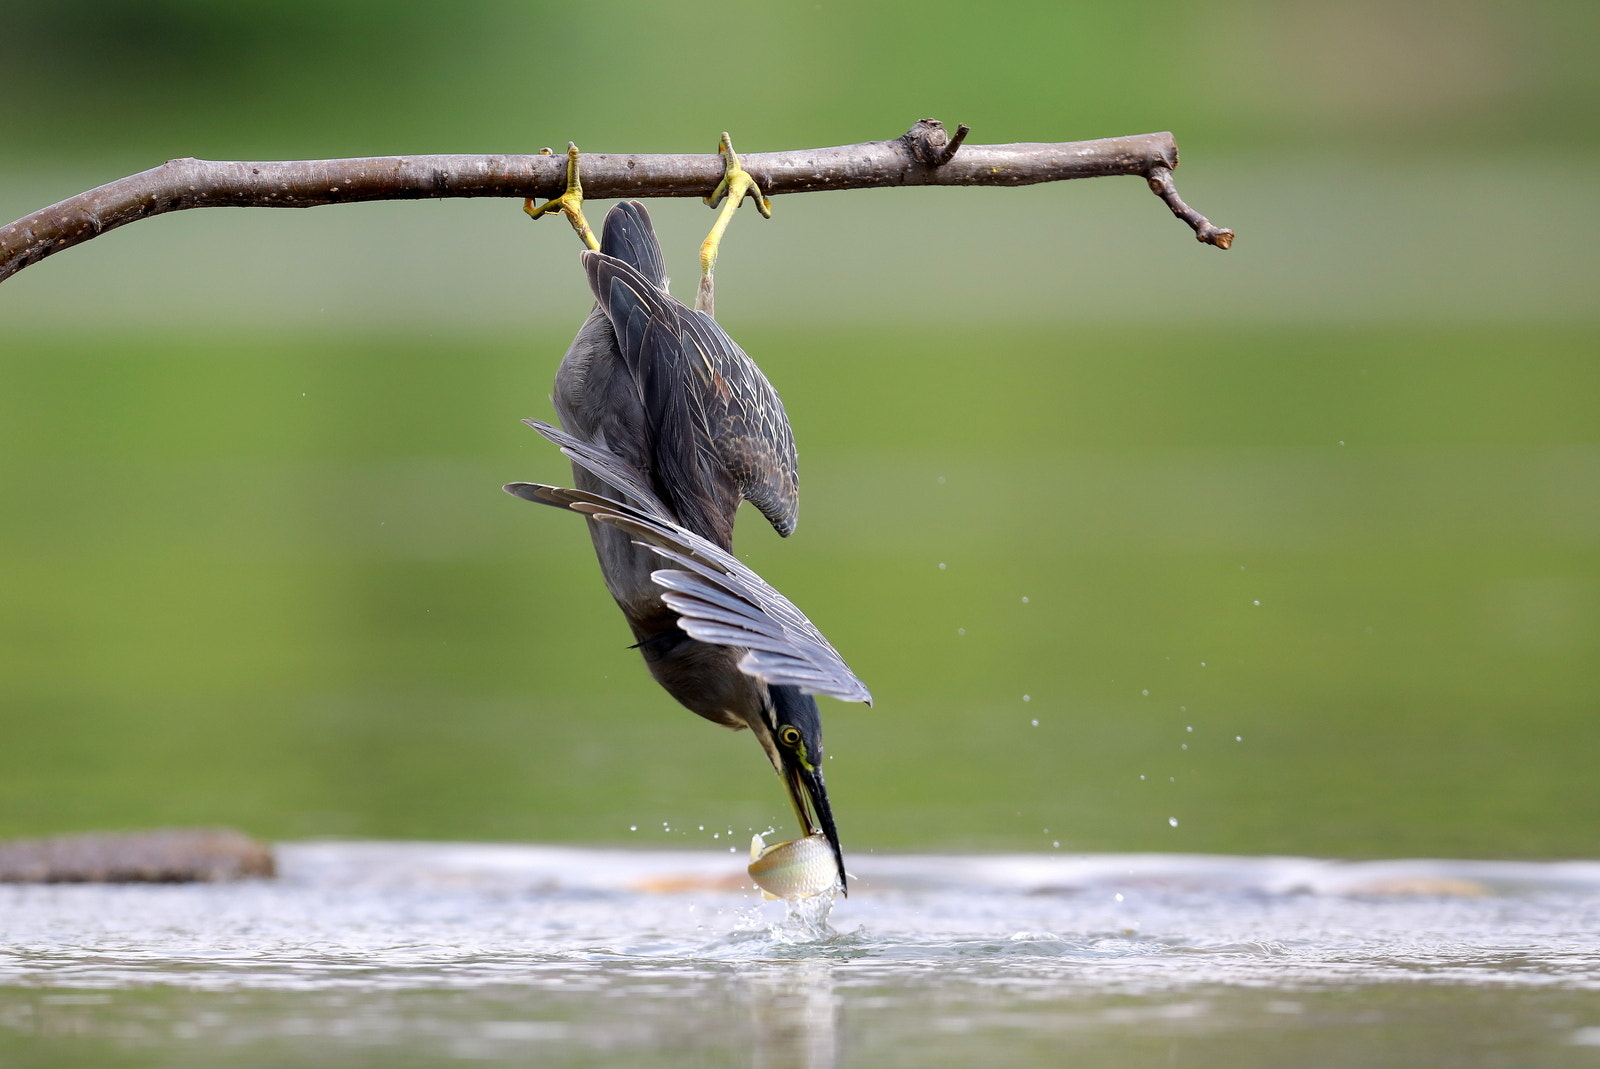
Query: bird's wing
<point x="581" y="501"/>
<point x="605" y="465"/>
<point x="643" y="321"/>
<point x="629" y="237"/>
<point x="749" y="427"/>
<point x="704" y="397"/>
<point x="719" y="600"/>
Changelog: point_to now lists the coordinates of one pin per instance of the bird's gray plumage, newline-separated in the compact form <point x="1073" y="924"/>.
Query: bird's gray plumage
<point x="663" y="411"/>
<point x="717" y="599"/>
<point x="665" y="389"/>
<point x="669" y="425"/>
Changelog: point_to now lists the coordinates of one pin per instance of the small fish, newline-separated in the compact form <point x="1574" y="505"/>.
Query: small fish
<point x="800" y="868"/>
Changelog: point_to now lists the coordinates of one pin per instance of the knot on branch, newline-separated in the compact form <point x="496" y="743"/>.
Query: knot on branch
<point x="931" y="144"/>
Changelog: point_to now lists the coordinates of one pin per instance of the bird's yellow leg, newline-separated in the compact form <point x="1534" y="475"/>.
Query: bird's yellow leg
<point x="736" y="184"/>
<point x="570" y="203"/>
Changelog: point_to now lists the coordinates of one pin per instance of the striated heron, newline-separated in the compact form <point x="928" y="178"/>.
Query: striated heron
<point x="669" y="425"/>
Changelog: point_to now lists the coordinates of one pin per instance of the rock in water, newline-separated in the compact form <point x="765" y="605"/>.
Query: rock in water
<point x="167" y="855"/>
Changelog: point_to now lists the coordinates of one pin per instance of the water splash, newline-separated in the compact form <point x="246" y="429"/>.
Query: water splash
<point x="806" y="920"/>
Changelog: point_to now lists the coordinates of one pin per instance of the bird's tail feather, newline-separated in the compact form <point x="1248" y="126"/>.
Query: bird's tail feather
<point x="629" y="237"/>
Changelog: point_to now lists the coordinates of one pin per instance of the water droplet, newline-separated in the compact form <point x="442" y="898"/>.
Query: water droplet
<point x="1036" y="723"/>
<point x="1173" y="821"/>
<point x="1027" y="697"/>
<point x="941" y="566"/>
<point x="1116" y="897"/>
<point x="1256" y="602"/>
<point x="1183" y="708"/>
<point x="633" y="827"/>
<point x="1184" y="746"/>
<point x="961" y="630"/>
<point x="1202" y="664"/>
<point x="1146" y="693"/>
<point x="1238" y="738"/>
<point x="1141" y="776"/>
<point x="941" y="478"/>
<point x="1056" y="844"/>
<point x="1024" y="599"/>
<point x="1189" y="728"/>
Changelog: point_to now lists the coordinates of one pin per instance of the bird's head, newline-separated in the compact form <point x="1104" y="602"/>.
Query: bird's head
<point x="796" y="728"/>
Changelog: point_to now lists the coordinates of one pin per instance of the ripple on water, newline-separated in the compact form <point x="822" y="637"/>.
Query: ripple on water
<point x="409" y="916"/>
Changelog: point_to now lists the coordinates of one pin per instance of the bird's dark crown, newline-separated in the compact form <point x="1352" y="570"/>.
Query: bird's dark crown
<point x="794" y="711"/>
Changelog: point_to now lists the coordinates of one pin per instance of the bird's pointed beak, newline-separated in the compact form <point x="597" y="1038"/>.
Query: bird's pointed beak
<point x="809" y="796"/>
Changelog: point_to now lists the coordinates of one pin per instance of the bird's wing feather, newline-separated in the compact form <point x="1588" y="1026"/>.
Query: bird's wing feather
<point x="562" y="497"/>
<point x="785" y="646"/>
<point x="605" y="465"/>
<point x="749" y="426"/>
<point x="719" y="600"/>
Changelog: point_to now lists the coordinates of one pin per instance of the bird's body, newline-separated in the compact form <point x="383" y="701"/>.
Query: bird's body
<point x="669" y="426"/>
<point x="666" y="392"/>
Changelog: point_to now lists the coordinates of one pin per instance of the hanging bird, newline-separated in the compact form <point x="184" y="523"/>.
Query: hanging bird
<point x="669" y="425"/>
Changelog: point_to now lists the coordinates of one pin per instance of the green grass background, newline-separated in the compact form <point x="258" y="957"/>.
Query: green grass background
<point x="1294" y="545"/>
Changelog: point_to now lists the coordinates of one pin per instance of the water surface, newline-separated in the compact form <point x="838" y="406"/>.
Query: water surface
<point x="367" y="953"/>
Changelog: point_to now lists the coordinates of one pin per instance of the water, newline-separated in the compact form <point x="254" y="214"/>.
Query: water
<point x="423" y="954"/>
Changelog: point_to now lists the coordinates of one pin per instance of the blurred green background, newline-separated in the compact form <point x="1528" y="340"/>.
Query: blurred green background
<point x="1293" y="545"/>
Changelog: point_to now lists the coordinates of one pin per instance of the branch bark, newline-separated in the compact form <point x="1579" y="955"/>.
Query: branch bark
<point x="926" y="155"/>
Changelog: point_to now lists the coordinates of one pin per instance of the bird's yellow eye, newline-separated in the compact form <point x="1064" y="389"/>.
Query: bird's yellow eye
<point x="789" y="735"/>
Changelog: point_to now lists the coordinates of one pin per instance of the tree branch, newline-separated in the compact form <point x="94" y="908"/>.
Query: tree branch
<point x="926" y="155"/>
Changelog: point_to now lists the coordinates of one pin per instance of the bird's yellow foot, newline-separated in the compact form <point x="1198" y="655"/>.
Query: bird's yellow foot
<point x="736" y="184"/>
<point x="570" y="203"/>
